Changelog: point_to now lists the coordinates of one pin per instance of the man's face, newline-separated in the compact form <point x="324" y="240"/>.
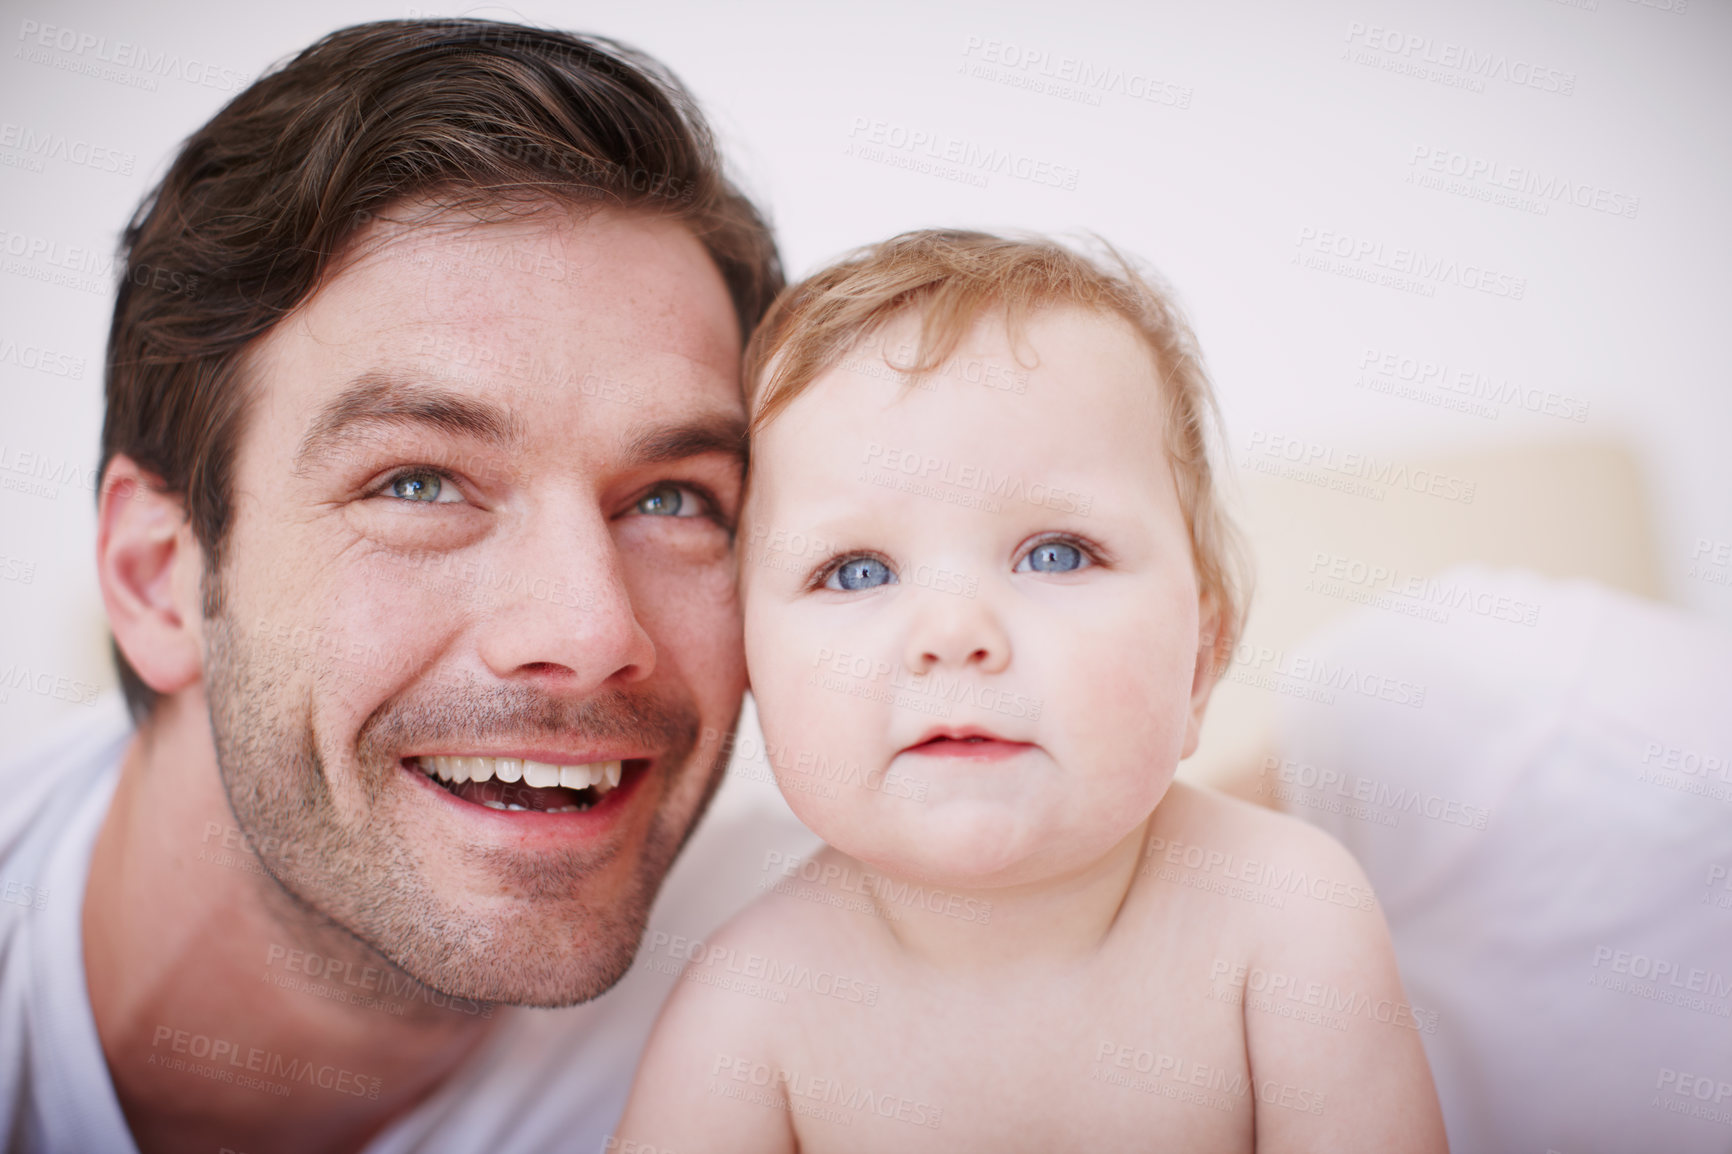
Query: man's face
<point x="483" y="510"/>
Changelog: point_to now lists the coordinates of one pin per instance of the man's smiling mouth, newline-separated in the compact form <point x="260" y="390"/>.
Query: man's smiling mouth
<point x="518" y="784"/>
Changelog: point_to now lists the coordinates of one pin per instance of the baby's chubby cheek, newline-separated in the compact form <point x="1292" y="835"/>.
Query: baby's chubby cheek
<point x="1112" y="708"/>
<point x="827" y="731"/>
<point x="1108" y="721"/>
<point x="811" y="702"/>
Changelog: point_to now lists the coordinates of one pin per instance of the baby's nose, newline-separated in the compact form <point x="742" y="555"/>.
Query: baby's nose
<point x="962" y="634"/>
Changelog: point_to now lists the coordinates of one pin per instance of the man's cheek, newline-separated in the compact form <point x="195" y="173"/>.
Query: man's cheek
<point x="344" y="652"/>
<point x="717" y="586"/>
<point x="692" y="613"/>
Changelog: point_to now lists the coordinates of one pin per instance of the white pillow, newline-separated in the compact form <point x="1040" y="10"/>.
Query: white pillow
<point x="1537" y="776"/>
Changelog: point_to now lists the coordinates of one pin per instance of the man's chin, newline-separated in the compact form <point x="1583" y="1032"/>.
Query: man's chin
<point x="536" y="956"/>
<point x="536" y="894"/>
<point x="554" y="984"/>
<point x="588" y="979"/>
<point x="528" y="908"/>
<point x="526" y="926"/>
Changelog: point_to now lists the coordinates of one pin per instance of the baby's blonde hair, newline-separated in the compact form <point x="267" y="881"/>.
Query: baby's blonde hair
<point x="952" y="278"/>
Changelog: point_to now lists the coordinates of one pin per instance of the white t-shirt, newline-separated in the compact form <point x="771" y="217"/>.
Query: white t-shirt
<point x="543" y="1080"/>
<point x="1540" y="789"/>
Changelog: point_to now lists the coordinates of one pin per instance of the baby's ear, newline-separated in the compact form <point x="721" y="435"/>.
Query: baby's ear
<point x="1212" y="656"/>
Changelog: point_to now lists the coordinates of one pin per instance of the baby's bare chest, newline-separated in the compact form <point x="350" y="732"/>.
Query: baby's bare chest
<point x="1125" y="1056"/>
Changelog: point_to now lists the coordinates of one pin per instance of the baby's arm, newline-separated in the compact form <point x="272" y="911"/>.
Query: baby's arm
<point x="707" y="1079"/>
<point x="1329" y="965"/>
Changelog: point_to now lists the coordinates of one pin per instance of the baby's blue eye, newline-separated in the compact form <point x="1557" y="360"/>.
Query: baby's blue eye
<point x="1054" y="557"/>
<point x="417" y="487"/>
<point x="860" y="573"/>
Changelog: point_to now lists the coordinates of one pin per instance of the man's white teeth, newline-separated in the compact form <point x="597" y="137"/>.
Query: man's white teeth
<point x="600" y="776"/>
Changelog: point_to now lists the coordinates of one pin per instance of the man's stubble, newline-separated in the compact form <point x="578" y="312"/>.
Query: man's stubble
<point x="366" y="879"/>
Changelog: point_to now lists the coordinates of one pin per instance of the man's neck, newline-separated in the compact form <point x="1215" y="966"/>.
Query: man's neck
<point x="229" y="1015"/>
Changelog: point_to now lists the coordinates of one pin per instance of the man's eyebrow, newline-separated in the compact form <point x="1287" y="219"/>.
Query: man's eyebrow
<point x="723" y="433"/>
<point x="375" y="399"/>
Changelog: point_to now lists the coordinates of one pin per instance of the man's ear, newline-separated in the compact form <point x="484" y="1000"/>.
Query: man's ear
<point x="151" y="569"/>
<point x="1211" y="663"/>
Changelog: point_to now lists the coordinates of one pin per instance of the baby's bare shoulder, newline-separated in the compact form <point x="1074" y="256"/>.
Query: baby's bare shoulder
<point x="1274" y="878"/>
<point x="733" y="1017"/>
<point x="1299" y="944"/>
<point x="815" y="912"/>
<point x="745" y="989"/>
<point x="1205" y="817"/>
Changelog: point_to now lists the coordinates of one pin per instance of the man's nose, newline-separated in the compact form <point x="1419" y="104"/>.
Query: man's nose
<point x="960" y="632"/>
<point x="560" y="610"/>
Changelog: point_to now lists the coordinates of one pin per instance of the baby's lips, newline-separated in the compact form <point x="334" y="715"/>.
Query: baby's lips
<point x="974" y="746"/>
<point x="961" y="733"/>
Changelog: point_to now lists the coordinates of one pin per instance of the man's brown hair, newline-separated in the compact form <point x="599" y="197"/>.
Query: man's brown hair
<point x="951" y="279"/>
<point x="260" y="201"/>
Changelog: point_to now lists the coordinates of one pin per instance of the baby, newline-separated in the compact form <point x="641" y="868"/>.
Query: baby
<point x="984" y="563"/>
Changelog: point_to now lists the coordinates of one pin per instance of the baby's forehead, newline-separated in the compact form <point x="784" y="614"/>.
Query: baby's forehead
<point x="1061" y="328"/>
<point x="1060" y="368"/>
<point x="1063" y="389"/>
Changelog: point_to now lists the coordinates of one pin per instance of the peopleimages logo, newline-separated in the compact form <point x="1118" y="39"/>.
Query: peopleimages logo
<point x="762" y="968"/>
<point x="1413" y="53"/>
<point x="1681" y="1092"/>
<point x="75" y="258"/>
<point x="58" y="146"/>
<point x="1490" y="176"/>
<point x="1276" y="878"/>
<point x="255" y="1068"/>
<point x="1386" y="586"/>
<point x="1325" y="996"/>
<point x="1370" y="793"/>
<point x="1361" y="474"/>
<point x="41" y="359"/>
<point x="1254" y="662"/>
<point x="1465" y="389"/>
<point x="802" y="1088"/>
<point x="894" y="893"/>
<point x="1067" y="77"/>
<point x="86" y="52"/>
<point x="1667" y="973"/>
<point x="878" y="679"/>
<point x="1409" y="269"/>
<point x="947" y="479"/>
<point x="973" y="161"/>
<point x="824" y="775"/>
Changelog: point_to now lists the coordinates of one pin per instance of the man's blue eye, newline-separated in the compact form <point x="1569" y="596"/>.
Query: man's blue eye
<point x="1055" y="557"/>
<point x="417" y="487"/>
<point x="861" y="573"/>
<point x="667" y="501"/>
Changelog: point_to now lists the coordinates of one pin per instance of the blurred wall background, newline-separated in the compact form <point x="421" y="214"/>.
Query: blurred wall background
<point x="1458" y="270"/>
